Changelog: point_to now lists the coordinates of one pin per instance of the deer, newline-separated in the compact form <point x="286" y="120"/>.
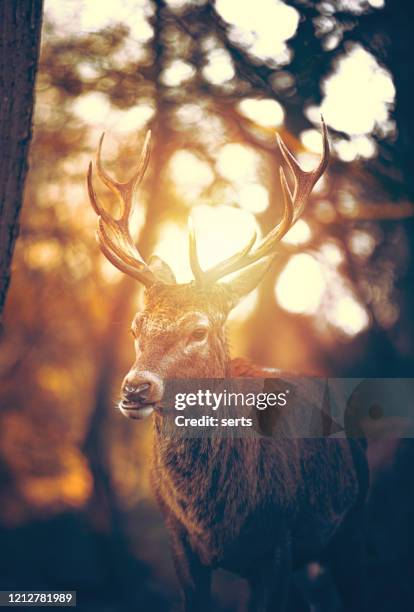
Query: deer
<point x="262" y="507"/>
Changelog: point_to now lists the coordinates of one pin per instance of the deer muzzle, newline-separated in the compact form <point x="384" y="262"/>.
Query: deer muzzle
<point x="140" y="393"/>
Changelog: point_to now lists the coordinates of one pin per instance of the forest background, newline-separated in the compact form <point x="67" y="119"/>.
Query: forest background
<point x="214" y="81"/>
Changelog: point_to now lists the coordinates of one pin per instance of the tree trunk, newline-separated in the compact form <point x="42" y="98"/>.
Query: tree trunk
<point x="20" y="26"/>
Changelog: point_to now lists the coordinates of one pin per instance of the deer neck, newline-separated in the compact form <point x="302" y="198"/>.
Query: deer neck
<point x="187" y="470"/>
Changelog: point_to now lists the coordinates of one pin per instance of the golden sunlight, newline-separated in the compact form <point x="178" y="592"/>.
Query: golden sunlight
<point x="94" y="108"/>
<point x="253" y="197"/>
<point x="237" y="162"/>
<point x="358" y="97"/>
<point x="190" y="174"/>
<point x="43" y="255"/>
<point x="245" y="307"/>
<point x="172" y="247"/>
<point x="301" y="285"/>
<point x="312" y="286"/>
<point x="214" y="240"/>
<point x="221" y="231"/>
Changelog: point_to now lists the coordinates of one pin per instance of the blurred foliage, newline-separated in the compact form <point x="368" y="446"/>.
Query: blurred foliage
<point x="184" y="69"/>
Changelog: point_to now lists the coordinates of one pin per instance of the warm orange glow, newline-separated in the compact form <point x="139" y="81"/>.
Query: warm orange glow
<point x="214" y="81"/>
<point x="70" y="486"/>
<point x="263" y="29"/>
<point x="44" y="254"/>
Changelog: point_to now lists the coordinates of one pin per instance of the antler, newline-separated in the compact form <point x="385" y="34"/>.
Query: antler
<point x="118" y="246"/>
<point x="113" y="235"/>
<point x="294" y="205"/>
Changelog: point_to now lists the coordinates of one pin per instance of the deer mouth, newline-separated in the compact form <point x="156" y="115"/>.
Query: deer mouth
<point x="133" y="410"/>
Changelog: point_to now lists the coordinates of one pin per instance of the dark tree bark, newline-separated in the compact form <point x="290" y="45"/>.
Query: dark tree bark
<point x="20" y="27"/>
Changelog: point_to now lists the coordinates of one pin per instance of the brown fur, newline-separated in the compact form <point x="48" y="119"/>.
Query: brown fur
<point x="259" y="507"/>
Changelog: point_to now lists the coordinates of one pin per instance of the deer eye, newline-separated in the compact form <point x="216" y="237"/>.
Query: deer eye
<point x="199" y="333"/>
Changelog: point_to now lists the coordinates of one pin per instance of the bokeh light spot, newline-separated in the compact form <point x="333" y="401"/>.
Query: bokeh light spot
<point x="263" y="112"/>
<point x="236" y="162"/>
<point x="359" y="95"/>
<point x="262" y="26"/>
<point x="190" y="174"/>
<point x="219" y="67"/>
<point x="301" y="285"/>
<point x="216" y="241"/>
<point x="253" y="197"/>
<point x="177" y="72"/>
<point x="299" y="233"/>
<point x="347" y="314"/>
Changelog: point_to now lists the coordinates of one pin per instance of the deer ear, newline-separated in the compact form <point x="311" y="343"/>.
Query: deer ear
<point x="248" y="280"/>
<point x="161" y="270"/>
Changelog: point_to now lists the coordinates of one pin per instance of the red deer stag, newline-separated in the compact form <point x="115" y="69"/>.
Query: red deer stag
<point x="257" y="507"/>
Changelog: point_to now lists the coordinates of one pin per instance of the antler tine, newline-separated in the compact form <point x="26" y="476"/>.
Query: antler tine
<point x="277" y="233"/>
<point x="125" y="250"/>
<point x="245" y="257"/>
<point x="293" y="208"/>
<point x="143" y="275"/>
<point x="305" y="181"/>
<point x="124" y="191"/>
<point x="113" y="235"/>
<point x="194" y="263"/>
<point x="202" y="277"/>
<point x="240" y="255"/>
<point x="98" y="208"/>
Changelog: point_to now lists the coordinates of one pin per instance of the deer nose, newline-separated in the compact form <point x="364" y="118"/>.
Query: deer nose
<point x="132" y="391"/>
<point x="142" y="387"/>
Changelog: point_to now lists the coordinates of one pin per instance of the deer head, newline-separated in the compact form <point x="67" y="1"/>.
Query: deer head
<point x="181" y="331"/>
